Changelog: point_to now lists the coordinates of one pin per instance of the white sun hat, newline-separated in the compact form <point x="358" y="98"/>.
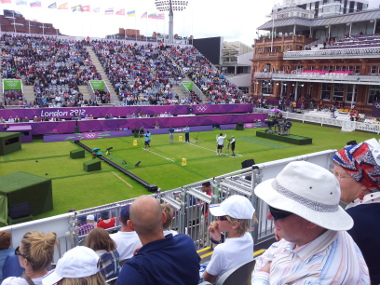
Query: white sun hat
<point x="78" y="262"/>
<point x="309" y="191"/>
<point x="235" y="206"/>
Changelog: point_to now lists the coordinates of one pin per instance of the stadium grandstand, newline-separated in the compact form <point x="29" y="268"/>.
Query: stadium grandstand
<point x="58" y="85"/>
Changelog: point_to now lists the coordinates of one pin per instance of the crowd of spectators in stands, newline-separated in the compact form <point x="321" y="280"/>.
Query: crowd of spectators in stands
<point x="55" y="67"/>
<point x="139" y="73"/>
<point x="209" y="79"/>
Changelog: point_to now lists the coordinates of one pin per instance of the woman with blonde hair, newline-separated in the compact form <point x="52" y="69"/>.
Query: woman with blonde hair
<point x="35" y="254"/>
<point x="100" y="241"/>
<point x="78" y="266"/>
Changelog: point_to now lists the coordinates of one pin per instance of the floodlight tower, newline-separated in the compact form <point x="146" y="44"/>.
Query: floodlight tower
<point x="170" y="5"/>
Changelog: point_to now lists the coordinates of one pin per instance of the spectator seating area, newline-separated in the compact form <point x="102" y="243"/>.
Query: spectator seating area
<point x="140" y="74"/>
<point x="354" y="41"/>
<point x="213" y="84"/>
<point x="55" y="68"/>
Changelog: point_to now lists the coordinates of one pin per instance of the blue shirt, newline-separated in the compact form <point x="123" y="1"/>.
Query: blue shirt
<point x="147" y="137"/>
<point x="169" y="261"/>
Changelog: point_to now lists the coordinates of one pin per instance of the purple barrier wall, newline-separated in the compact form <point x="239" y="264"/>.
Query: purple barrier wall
<point x="99" y="112"/>
<point x="62" y="127"/>
<point x="114" y="134"/>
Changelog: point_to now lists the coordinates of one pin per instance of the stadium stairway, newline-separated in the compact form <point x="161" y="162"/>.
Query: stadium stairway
<point x="28" y="93"/>
<point x="84" y="89"/>
<point x="100" y="69"/>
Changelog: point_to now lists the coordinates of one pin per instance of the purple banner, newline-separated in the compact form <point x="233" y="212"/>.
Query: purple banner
<point x="64" y="127"/>
<point x="101" y="112"/>
<point x="115" y="134"/>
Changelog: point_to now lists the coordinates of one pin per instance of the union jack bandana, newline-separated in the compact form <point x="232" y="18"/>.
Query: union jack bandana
<point x="362" y="162"/>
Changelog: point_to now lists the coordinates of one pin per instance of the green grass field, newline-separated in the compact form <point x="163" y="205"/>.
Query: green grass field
<point x="74" y="188"/>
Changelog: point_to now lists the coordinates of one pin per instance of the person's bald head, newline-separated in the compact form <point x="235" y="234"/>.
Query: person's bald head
<point x="146" y="216"/>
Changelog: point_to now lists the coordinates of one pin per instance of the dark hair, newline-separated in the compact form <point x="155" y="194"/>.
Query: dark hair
<point x="206" y="184"/>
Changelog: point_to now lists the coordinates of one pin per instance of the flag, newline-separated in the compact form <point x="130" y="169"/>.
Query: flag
<point x="5" y="1"/>
<point x="21" y="2"/>
<point x="120" y="12"/>
<point x="63" y="6"/>
<point x="152" y="16"/>
<point x="108" y="11"/>
<point x="86" y="8"/>
<point x="161" y="17"/>
<point x="96" y="10"/>
<point x="35" y="4"/>
<point x="53" y="6"/>
<point x="144" y="15"/>
<point x="76" y="8"/>
<point x="131" y="13"/>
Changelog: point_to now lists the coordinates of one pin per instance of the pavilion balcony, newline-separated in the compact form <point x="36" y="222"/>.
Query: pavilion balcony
<point x="345" y="78"/>
<point x="338" y="53"/>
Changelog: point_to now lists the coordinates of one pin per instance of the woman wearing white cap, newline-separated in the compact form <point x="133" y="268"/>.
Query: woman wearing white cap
<point x="233" y="216"/>
<point x="79" y="265"/>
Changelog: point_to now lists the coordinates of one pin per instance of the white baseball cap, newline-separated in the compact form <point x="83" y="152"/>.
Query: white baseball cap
<point x="235" y="206"/>
<point x="78" y="262"/>
<point x="91" y="217"/>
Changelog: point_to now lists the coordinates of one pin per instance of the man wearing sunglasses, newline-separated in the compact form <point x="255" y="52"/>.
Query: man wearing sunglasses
<point x="314" y="247"/>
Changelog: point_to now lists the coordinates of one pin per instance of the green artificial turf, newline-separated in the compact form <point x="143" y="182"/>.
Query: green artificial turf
<point x="74" y="188"/>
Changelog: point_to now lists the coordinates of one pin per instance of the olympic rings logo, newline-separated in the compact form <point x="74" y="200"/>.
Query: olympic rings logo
<point x="201" y="108"/>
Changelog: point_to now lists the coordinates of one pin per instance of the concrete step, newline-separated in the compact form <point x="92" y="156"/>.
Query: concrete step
<point x="100" y="69"/>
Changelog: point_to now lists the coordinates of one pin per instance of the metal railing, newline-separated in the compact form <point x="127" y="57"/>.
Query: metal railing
<point x="325" y="119"/>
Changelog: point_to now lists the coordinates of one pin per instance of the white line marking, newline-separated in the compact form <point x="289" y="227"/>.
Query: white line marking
<point x="167" y="158"/>
<point x="214" y="151"/>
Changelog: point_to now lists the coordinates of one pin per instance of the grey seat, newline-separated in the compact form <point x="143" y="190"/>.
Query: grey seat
<point x="240" y="274"/>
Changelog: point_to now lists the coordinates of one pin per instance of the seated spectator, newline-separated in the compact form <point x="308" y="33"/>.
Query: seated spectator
<point x="167" y="209"/>
<point x="79" y="265"/>
<point x="161" y="260"/>
<point x="91" y="220"/>
<point x="84" y="227"/>
<point x="314" y="248"/>
<point x="104" y="221"/>
<point x="233" y="216"/>
<point x="99" y="241"/>
<point x="6" y="254"/>
<point x="357" y="169"/>
<point x="35" y="253"/>
<point x="126" y="239"/>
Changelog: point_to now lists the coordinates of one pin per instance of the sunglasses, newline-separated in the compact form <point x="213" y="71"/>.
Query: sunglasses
<point x="17" y="252"/>
<point x="222" y="218"/>
<point x="278" y="214"/>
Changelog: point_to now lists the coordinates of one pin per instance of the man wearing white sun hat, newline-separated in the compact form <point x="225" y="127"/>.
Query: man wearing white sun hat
<point x="233" y="216"/>
<point x="315" y="248"/>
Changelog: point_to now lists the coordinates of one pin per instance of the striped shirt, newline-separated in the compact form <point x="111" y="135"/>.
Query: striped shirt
<point x="332" y="258"/>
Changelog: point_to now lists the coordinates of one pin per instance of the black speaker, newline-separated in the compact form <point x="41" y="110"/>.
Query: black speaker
<point x="19" y="210"/>
<point x="247" y="163"/>
<point x="138" y="163"/>
<point x="239" y="124"/>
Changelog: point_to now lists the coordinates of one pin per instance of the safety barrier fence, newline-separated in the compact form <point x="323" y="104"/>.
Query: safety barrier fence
<point x="315" y="118"/>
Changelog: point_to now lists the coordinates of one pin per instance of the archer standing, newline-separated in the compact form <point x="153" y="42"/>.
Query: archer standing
<point x="171" y="134"/>
<point x="187" y="134"/>
<point x="147" y="140"/>
<point x="220" y="141"/>
<point x="232" y="143"/>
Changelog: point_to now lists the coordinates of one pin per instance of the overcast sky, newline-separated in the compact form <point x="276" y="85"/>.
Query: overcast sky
<point x="234" y="20"/>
